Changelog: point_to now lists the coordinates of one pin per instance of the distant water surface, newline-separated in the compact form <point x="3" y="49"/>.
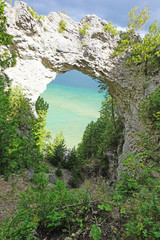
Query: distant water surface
<point x="74" y="101"/>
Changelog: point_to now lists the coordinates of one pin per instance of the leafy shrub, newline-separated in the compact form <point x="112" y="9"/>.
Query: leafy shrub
<point x="62" y="26"/>
<point x="22" y="226"/>
<point x="7" y="56"/>
<point x="47" y="209"/>
<point x="143" y="51"/>
<point x="137" y="194"/>
<point x="83" y="30"/>
<point x="111" y="29"/>
<point x="96" y="232"/>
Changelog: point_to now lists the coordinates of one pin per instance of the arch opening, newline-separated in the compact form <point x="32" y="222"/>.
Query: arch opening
<point x="74" y="101"/>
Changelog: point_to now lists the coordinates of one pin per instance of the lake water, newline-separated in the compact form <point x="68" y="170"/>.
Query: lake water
<point x="74" y="101"/>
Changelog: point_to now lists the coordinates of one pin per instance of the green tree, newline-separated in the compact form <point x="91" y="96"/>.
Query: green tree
<point x="72" y="159"/>
<point x="144" y="52"/>
<point x="20" y="140"/>
<point x="57" y="151"/>
<point x="40" y="132"/>
<point x="105" y="133"/>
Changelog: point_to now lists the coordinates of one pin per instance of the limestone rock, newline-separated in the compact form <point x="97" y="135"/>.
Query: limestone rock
<point x="44" y="52"/>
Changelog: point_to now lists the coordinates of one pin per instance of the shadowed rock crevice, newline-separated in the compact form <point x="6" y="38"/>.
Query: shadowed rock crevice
<point x="44" y="52"/>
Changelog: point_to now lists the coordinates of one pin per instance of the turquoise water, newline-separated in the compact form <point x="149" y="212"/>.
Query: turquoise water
<point x="74" y="101"/>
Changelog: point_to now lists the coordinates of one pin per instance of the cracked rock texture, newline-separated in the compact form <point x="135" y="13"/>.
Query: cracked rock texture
<point x="44" y="52"/>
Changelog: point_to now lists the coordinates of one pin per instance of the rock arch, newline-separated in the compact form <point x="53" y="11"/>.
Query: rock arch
<point x="44" y="52"/>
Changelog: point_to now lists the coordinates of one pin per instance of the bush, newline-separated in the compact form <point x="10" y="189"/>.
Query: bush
<point x="111" y="29"/>
<point x="83" y="30"/>
<point x="45" y="209"/>
<point x="7" y="56"/>
<point x="62" y="26"/>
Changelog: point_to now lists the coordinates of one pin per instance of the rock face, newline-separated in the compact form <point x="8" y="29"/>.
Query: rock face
<point x="44" y="52"/>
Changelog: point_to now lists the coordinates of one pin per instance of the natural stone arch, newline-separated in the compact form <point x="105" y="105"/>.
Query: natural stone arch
<point x="43" y="52"/>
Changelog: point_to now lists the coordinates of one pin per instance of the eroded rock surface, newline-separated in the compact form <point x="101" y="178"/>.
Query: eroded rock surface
<point x="44" y="52"/>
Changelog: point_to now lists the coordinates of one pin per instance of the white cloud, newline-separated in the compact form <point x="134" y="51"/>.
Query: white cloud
<point x="123" y="29"/>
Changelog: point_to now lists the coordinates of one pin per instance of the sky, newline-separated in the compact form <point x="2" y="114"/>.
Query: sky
<point x="113" y="10"/>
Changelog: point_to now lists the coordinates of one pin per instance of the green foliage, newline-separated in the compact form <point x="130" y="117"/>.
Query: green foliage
<point x="21" y="134"/>
<point x="138" y="198"/>
<point x="83" y="30"/>
<point x="105" y="133"/>
<point x="35" y="15"/>
<point x="149" y="139"/>
<point x="22" y="226"/>
<point x="105" y="207"/>
<point x="75" y="164"/>
<point x="137" y="193"/>
<point x="56" y="151"/>
<point x="138" y="18"/>
<point x="76" y="177"/>
<point x="62" y="26"/>
<point x="72" y="159"/>
<point x="40" y="133"/>
<point x="111" y="29"/>
<point x="7" y="56"/>
<point x="142" y="51"/>
<point x="58" y="155"/>
<point x="47" y="209"/>
<point x="19" y="140"/>
<point x="96" y="232"/>
<point x="150" y="107"/>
